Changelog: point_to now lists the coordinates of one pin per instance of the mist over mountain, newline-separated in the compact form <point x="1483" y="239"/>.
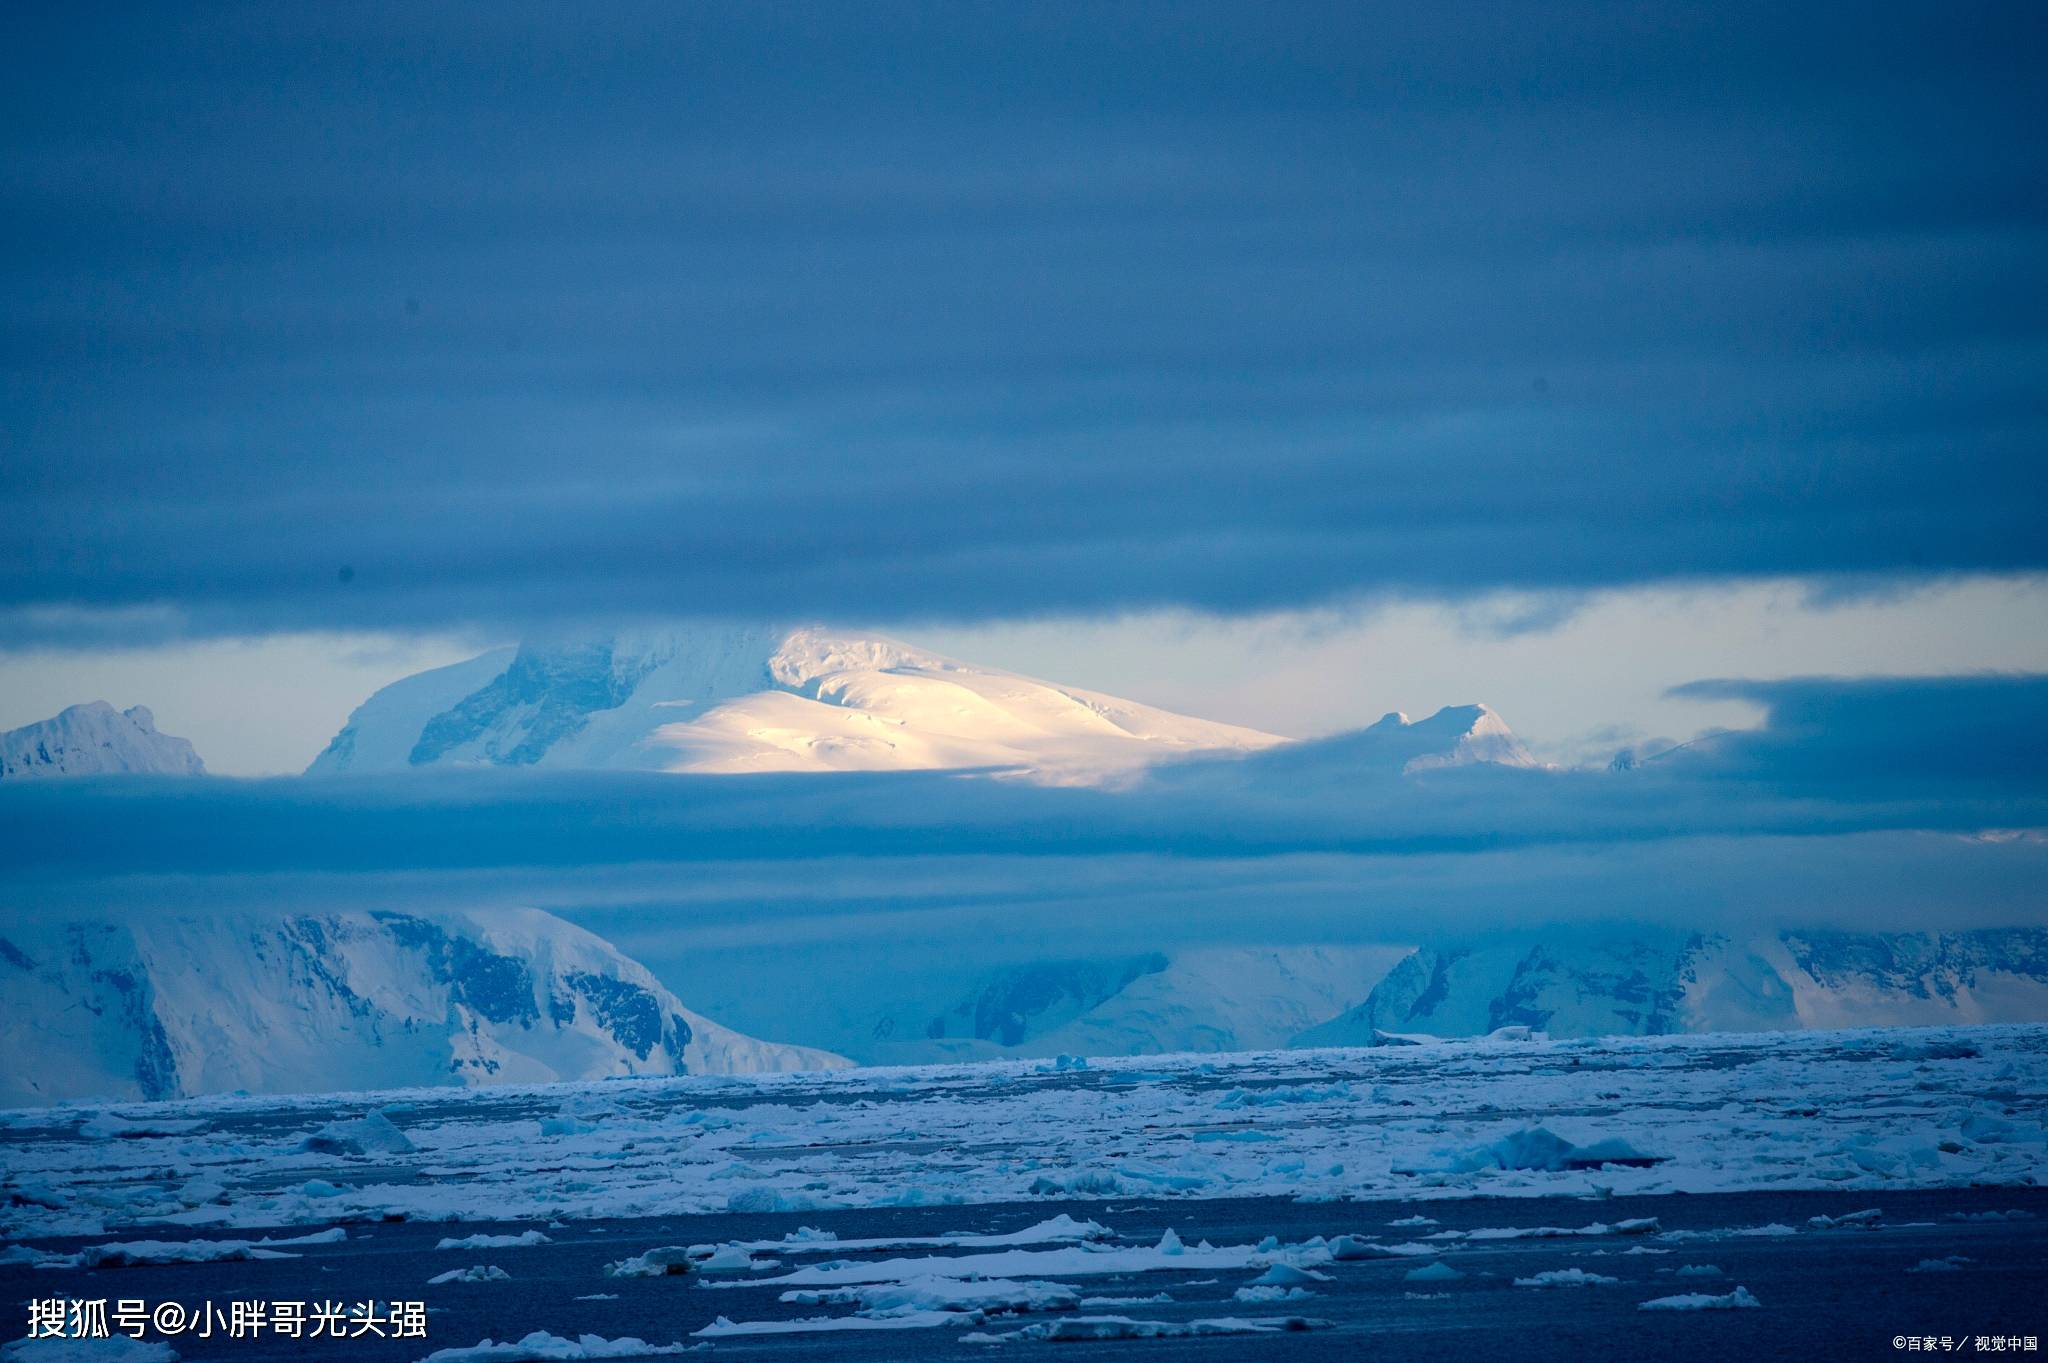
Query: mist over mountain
<point x="1075" y="873"/>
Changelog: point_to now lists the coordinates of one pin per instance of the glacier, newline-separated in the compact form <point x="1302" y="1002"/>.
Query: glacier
<point x="171" y="1004"/>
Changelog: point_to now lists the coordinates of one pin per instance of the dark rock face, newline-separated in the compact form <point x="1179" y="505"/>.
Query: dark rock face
<point x="1924" y="965"/>
<point x="546" y="695"/>
<point x="498" y="988"/>
<point x="631" y="1014"/>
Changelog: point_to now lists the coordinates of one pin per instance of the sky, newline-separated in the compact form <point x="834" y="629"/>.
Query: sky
<point x="1639" y="371"/>
<point x="411" y="317"/>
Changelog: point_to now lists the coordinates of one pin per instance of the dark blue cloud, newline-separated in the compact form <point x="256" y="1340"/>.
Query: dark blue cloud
<point x="1912" y="738"/>
<point x="528" y="314"/>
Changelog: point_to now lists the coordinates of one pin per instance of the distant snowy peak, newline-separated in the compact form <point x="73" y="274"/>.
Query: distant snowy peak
<point x="1454" y="736"/>
<point x="96" y="739"/>
<point x="754" y="699"/>
<point x="1395" y="746"/>
<point x="1645" y="983"/>
<point x="181" y="1004"/>
<point x="1199" y="999"/>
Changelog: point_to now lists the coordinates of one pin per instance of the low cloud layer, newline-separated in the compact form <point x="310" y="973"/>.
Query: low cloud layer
<point x="1902" y="803"/>
<point x="398" y="318"/>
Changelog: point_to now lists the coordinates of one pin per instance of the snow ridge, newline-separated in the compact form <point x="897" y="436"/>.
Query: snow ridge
<point x="748" y="698"/>
<point x="95" y="739"/>
<point x="1646" y="983"/>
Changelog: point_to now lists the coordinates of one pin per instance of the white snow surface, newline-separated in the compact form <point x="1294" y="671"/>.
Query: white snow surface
<point x="1856" y="1112"/>
<point x="1221" y="999"/>
<point x="711" y="698"/>
<point x="95" y="739"/>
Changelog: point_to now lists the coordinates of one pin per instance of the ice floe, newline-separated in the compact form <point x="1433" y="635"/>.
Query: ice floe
<point x="1124" y="1327"/>
<point x="1438" y="1272"/>
<point x="1266" y="1292"/>
<point x="522" y="1240"/>
<point x="542" y="1347"/>
<point x="991" y="1296"/>
<point x="146" y="1253"/>
<point x="1870" y="1219"/>
<point x="1073" y="1261"/>
<point x="373" y="1134"/>
<point x="113" y="1349"/>
<point x="1566" y="1277"/>
<point x="1641" y="1225"/>
<point x="1345" y="1248"/>
<point x="1534" y="1148"/>
<point x="1700" y="1301"/>
<point x="722" y="1328"/>
<point x="1058" y="1230"/>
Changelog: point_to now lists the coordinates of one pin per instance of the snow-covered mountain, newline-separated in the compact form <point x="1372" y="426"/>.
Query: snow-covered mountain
<point x="94" y="739"/>
<point x="934" y="1007"/>
<point x="1204" y="999"/>
<point x="176" y="1004"/>
<point x="1452" y="737"/>
<point x="1641" y="983"/>
<point x="752" y="699"/>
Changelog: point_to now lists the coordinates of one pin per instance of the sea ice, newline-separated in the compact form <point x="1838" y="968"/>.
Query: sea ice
<point x="669" y="1261"/>
<point x="1567" y="1277"/>
<point x="542" y="1347"/>
<point x="1346" y="1248"/>
<point x="1536" y="1148"/>
<point x="372" y="1134"/>
<point x="1438" y="1272"/>
<point x="1265" y="1292"/>
<point x="942" y="1294"/>
<point x="1156" y="1299"/>
<point x="113" y="1349"/>
<point x="482" y="1241"/>
<point x="1868" y="1219"/>
<point x="910" y="1320"/>
<point x="142" y="1253"/>
<point x="1700" y="1301"/>
<point x="1123" y="1327"/>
